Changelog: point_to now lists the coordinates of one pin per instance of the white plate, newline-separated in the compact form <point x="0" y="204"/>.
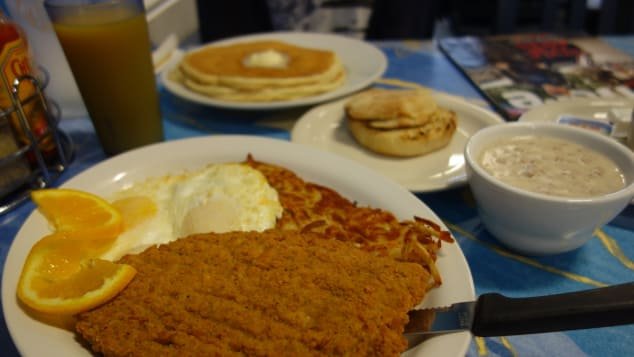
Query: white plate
<point x="33" y="338"/>
<point x="324" y="127"/>
<point x="363" y="62"/>
<point x="587" y="108"/>
<point x="581" y="107"/>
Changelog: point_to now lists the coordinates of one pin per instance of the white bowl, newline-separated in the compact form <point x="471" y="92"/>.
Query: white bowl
<point x="534" y="223"/>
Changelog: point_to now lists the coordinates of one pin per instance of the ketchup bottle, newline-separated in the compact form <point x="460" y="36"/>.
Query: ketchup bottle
<point x="15" y="61"/>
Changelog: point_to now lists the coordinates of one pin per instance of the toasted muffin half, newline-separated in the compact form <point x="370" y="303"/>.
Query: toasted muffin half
<point x="399" y="123"/>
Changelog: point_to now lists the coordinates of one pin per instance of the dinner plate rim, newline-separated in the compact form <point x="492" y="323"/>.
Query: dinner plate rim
<point x="333" y="111"/>
<point x="117" y="169"/>
<point x="303" y="38"/>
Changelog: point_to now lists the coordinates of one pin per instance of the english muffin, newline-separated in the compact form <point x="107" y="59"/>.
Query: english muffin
<point x="399" y="123"/>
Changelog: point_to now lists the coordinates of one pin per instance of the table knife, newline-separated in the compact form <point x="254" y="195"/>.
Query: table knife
<point x="494" y="314"/>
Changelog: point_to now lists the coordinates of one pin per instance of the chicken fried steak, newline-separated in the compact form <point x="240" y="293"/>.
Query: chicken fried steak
<point x="272" y="293"/>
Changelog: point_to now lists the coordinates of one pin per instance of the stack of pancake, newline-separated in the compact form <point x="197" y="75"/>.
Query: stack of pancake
<point x="260" y="71"/>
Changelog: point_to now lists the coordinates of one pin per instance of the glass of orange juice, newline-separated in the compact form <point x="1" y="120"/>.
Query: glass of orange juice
<point x="107" y="45"/>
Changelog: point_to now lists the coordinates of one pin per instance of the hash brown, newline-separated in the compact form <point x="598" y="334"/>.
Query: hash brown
<point x="272" y="293"/>
<point x="310" y="207"/>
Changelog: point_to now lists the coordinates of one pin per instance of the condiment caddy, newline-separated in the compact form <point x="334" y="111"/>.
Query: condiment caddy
<point x="32" y="149"/>
<point x="30" y="165"/>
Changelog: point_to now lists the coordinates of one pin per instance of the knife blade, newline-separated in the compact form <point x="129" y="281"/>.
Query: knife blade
<point x="494" y="314"/>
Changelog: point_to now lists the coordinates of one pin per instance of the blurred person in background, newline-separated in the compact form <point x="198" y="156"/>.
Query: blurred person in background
<point x="370" y="19"/>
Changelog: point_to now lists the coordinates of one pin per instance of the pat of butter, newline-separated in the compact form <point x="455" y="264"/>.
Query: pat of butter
<point x="267" y="59"/>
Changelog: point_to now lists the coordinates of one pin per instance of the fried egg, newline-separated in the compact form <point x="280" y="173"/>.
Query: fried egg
<point x="218" y="198"/>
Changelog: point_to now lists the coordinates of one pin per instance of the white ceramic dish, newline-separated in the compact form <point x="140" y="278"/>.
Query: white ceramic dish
<point x="536" y="223"/>
<point x="34" y="338"/>
<point x="581" y="107"/>
<point x="597" y="111"/>
<point x="324" y="127"/>
<point x="363" y="62"/>
<point x="588" y="108"/>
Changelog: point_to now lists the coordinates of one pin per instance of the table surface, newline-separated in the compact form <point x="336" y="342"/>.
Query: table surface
<point x="605" y="260"/>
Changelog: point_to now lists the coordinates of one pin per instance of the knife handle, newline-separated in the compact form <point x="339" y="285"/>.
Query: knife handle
<point x="498" y="315"/>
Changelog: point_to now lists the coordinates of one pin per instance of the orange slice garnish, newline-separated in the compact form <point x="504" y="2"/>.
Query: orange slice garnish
<point x="60" y="276"/>
<point x="70" y="210"/>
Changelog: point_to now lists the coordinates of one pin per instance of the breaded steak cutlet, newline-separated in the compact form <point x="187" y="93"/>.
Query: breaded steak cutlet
<point x="310" y="207"/>
<point x="258" y="294"/>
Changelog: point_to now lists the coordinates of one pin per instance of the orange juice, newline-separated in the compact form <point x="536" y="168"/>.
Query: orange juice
<point x="109" y="54"/>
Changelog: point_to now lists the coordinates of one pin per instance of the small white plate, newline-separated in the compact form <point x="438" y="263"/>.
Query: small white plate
<point x="364" y="63"/>
<point x="587" y="108"/>
<point x="324" y="127"/>
<point x="34" y="338"/>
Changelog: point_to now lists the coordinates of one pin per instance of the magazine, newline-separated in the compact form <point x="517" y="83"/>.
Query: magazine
<point x="519" y="72"/>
